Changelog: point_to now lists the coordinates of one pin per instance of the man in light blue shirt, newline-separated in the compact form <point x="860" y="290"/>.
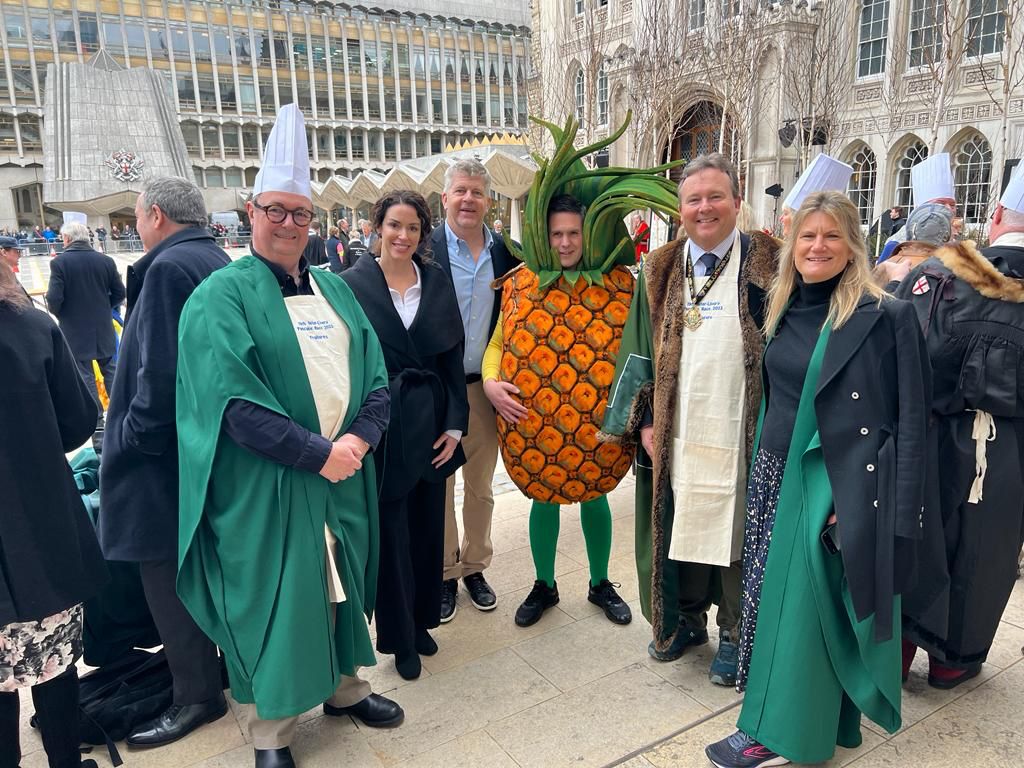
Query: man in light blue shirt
<point x="473" y="257"/>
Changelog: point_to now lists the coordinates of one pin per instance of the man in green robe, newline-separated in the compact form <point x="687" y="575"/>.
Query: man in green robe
<point x="282" y="393"/>
<point x="687" y="387"/>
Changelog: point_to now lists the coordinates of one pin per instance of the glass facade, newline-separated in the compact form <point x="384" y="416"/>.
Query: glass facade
<point x="370" y="82"/>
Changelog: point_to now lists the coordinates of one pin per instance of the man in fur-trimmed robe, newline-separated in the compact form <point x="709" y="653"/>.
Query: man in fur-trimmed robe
<point x="687" y="388"/>
<point x="971" y="306"/>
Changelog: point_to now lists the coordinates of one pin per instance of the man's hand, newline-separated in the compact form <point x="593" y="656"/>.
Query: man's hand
<point x="647" y="439"/>
<point x="345" y="459"/>
<point x="500" y="394"/>
<point x="447" y="444"/>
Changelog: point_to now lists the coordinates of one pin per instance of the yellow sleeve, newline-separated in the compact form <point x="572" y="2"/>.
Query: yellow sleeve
<point x="490" y="367"/>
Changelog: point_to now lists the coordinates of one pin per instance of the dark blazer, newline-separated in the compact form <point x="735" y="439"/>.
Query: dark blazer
<point x="502" y="260"/>
<point x="316" y="251"/>
<point x="138" y="517"/>
<point x="48" y="548"/>
<point x="84" y="287"/>
<point x="428" y="384"/>
<point x="872" y="403"/>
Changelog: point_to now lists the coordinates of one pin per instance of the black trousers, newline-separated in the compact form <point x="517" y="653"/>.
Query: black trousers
<point x="107" y="366"/>
<point x="411" y="564"/>
<point x="191" y="655"/>
<point x="56" y="703"/>
<point x="702" y="585"/>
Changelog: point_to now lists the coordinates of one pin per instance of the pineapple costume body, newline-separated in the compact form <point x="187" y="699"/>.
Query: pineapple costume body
<point x="556" y="341"/>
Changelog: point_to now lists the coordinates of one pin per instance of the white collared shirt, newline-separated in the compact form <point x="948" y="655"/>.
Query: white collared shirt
<point x="720" y="250"/>
<point x="408" y="305"/>
<point x="1009" y="239"/>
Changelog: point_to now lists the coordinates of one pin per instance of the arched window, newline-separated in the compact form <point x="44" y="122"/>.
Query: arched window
<point x="862" y="183"/>
<point x="580" y="94"/>
<point x="912" y="155"/>
<point x="602" y="96"/>
<point x="972" y="164"/>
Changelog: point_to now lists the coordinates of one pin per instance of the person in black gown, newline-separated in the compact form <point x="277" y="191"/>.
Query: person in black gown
<point x="411" y="304"/>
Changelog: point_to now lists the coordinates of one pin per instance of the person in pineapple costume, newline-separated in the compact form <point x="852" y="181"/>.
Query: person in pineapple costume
<point x="550" y="361"/>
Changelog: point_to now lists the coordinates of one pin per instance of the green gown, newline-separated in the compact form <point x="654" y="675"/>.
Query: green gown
<point x="252" y="570"/>
<point x="814" y="667"/>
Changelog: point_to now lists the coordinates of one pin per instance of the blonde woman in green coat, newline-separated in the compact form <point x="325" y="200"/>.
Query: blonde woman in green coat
<point x="833" y="516"/>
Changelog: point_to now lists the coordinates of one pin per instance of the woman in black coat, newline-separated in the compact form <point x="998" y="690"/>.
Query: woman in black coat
<point x="412" y="306"/>
<point x="835" y="504"/>
<point x="51" y="561"/>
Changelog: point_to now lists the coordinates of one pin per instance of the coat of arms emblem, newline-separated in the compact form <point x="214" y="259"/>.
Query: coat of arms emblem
<point x="124" y="165"/>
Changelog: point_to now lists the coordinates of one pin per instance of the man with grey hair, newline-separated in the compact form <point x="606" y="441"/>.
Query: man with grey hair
<point x="138" y="518"/>
<point x="472" y="257"/>
<point x="687" y="390"/>
<point x="84" y="287"/>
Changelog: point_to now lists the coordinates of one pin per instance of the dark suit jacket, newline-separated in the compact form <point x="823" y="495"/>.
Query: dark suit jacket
<point x="138" y="517"/>
<point x="84" y="287"/>
<point x="502" y="260"/>
<point x="316" y="251"/>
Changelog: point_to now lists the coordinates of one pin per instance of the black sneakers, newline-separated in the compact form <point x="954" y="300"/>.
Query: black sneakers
<point x="449" y="591"/>
<point x="741" y="751"/>
<point x="541" y="598"/>
<point x="605" y="597"/>
<point x="480" y="592"/>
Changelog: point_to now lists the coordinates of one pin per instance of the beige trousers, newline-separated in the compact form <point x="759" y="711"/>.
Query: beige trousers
<point x="481" y="446"/>
<point x="275" y="734"/>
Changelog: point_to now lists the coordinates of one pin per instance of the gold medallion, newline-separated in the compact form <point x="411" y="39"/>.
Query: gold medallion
<point x="692" y="318"/>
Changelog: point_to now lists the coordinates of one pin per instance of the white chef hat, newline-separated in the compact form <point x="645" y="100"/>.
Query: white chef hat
<point x="1013" y="196"/>
<point x="823" y="174"/>
<point x="74" y="217"/>
<point x="932" y="179"/>
<point x="286" y="157"/>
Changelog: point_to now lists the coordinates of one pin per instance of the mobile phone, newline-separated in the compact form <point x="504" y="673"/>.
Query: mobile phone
<point x="830" y="539"/>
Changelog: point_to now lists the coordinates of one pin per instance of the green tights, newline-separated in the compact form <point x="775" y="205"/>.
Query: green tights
<point x="596" y="520"/>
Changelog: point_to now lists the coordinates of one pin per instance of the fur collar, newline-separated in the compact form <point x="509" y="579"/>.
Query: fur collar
<point x="968" y="263"/>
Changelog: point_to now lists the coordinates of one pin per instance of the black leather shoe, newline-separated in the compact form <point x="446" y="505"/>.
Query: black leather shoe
<point x="177" y="722"/>
<point x="425" y="644"/>
<point x="541" y="598"/>
<point x="480" y="592"/>
<point x="408" y="665"/>
<point x="449" y="591"/>
<point x="274" y="758"/>
<point x="374" y="711"/>
<point x="615" y="608"/>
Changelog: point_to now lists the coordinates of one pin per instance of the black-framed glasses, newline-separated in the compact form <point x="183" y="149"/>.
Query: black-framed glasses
<point x="278" y="213"/>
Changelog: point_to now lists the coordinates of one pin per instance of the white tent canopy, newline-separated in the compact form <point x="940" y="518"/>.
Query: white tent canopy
<point x="511" y="168"/>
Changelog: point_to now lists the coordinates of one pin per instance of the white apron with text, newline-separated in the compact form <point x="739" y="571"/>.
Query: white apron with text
<point x="708" y="470"/>
<point x="324" y="341"/>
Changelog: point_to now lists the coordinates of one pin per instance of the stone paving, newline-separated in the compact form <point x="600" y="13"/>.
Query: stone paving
<point x="576" y="690"/>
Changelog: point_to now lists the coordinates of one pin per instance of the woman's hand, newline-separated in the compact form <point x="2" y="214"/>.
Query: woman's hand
<point x="447" y="444"/>
<point x="500" y="394"/>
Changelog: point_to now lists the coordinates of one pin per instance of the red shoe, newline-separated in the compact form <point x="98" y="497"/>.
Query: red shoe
<point x="909" y="651"/>
<point x="946" y="678"/>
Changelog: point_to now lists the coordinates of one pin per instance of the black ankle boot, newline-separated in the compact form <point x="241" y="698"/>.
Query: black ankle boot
<point x="56" y="703"/>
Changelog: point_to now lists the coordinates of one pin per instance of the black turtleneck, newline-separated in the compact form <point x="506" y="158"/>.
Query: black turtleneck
<point x="787" y="358"/>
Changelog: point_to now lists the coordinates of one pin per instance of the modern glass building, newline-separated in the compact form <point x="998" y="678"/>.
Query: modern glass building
<point x="377" y="85"/>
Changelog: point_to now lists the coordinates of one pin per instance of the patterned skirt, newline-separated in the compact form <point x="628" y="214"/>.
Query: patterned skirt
<point x="762" y="500"/>
<point x="32" y="652"/>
